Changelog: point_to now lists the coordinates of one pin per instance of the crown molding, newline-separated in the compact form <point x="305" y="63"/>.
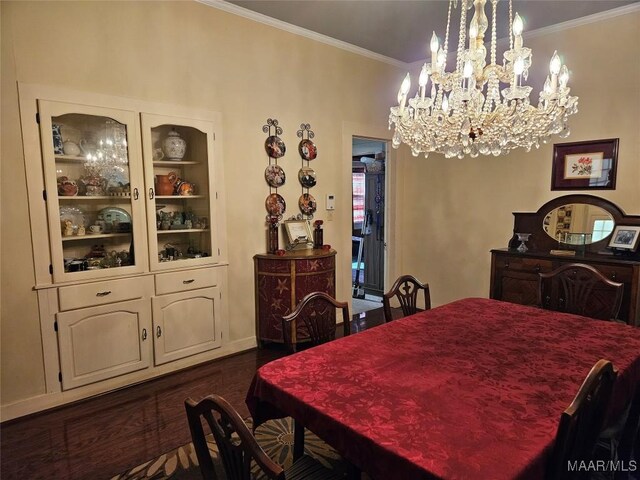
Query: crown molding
<point x="303" y="32"/>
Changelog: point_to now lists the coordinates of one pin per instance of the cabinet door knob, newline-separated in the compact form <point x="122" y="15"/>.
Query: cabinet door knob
<point x="103" y="294"/>
<point x="613" y="276"/>
<point x="136" y="194"/>
<point x="506" y="264"/>
<point x="151" y="195"/>
<point x="187" y="282"/>
<point x="158" y="331"/>
<point x="144" y="334"/>
<point x="537" y="269"/>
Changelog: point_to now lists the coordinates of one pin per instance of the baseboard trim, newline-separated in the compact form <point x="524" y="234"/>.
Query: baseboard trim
<point x="40" y="403"/>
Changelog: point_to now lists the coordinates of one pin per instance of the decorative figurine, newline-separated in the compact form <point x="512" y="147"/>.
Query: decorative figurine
<point x="68" y="228"/>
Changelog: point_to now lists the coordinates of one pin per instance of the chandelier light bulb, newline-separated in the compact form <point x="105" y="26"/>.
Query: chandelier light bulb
<point x="406" y="85"/>
<point x="564" y="76"/>
<point x="424" y="76"/>
<point x="434" y="43"/>
<point x="518" y="26"/>
<point x="555" y="64"/>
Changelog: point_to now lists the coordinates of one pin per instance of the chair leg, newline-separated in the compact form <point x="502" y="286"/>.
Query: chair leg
<point x="353" y="472"/>
<point x="298" y="440"/>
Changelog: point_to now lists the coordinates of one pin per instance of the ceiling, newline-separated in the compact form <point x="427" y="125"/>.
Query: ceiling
<point x="401" y="29"/>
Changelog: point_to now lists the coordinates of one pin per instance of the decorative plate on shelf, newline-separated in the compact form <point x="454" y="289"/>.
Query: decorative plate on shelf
<point x="117" y="215"/>
<point x="307" y="149"/>
<point x="307" y="177"/>
<point x="307" y="204"/>
<point x="274" y="146"/>
<point x="275" y="204"/>
<point x="275" y="176"/>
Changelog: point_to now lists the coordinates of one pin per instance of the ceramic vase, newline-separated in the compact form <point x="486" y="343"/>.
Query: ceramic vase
<point x="174" y="146"/>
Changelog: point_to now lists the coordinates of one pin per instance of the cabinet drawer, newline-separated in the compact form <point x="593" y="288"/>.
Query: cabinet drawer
<point x="183" y="281"/>
<point x="616" y="273"/>
<point x="100" y="293"/>
<point x="522" y="264"/>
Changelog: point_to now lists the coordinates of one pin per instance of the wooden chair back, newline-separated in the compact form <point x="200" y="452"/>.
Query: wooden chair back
<point x="580" y="289"/>
<point x="406" y="289"/>
<point x="317" y="311"/>
<point x="236" y="443"/>
<point x="581" y="423"/>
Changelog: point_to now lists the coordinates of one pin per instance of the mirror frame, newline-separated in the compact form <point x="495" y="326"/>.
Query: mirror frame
<point x="540" y="241"/>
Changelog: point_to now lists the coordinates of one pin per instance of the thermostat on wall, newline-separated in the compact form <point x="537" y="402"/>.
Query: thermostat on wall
<point x="331" y="201"/>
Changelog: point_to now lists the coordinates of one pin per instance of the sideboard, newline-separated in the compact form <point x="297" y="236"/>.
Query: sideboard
<point x="282" y="281"/>
<point x="552" y="230"/>
<point x="514" y="277"/>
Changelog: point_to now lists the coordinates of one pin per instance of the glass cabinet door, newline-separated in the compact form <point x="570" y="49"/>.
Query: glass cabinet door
<point x="93" y="179"/>
<point x="178" y="160"/>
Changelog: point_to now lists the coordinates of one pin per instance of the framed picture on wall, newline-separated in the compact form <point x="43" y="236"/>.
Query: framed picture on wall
<point x="588" y="165"/>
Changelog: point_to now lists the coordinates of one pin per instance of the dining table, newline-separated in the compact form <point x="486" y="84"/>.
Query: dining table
<point x="473" y="389"/>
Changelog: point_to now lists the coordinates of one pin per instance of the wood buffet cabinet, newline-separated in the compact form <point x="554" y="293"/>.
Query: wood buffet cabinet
<point x="282" y="281"/>
<point x="514" y="274"/>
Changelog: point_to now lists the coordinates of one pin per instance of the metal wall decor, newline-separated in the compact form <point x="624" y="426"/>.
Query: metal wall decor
<point x="275" y="177"/>
<point x="307" y="176"/>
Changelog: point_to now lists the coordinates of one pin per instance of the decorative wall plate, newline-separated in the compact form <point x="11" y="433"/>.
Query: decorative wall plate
<point x="307" y="177"/>
<point x="275" y="146"/>
<point x="275" y="176"/>
<point x="307" y="204"/>
<point x="275" y="204"/>
<point x="307" y="149"/>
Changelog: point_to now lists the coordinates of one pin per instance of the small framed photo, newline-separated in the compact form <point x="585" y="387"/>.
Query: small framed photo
<point x="585" y="165"/>
<point x="625" y="237"/>
<point x="298" y="234"/>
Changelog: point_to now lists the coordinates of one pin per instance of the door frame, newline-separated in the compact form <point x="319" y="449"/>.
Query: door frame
<point x="392" y="236"/>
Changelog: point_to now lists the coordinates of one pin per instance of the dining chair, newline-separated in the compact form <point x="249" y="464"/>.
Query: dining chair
<point x="580" y="289"/>
<point x="581" y="423"/>
<point x="317" y="312"/>
<point x="238" y="447"/>
<point x="406" y="289"/>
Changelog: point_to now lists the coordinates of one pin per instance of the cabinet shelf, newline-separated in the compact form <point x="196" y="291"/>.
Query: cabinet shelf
<point x="179" y="197"/>
<point x="91" y="236"/>
<point x="77" y="198"/>
<point x="73" y="159"/>
<point x="173" y="163"/>
<point x="191" y="230"/>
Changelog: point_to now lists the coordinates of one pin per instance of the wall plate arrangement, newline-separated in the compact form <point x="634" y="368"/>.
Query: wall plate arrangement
<point x="275" y="177"/>
<point x="306" y="175"/>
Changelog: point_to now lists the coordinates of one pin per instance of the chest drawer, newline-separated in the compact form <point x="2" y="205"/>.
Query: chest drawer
<point x="183" y="281"/>
<point x="101" y="293"/>
<point x="522" y="264"/>
<point x="616" y="273"/>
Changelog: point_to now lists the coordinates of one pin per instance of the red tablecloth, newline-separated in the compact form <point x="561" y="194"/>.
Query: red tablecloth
<point x="473" y="389"/>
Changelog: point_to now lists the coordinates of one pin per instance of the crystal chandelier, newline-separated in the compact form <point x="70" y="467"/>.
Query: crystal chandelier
<point x="467" y="112"/>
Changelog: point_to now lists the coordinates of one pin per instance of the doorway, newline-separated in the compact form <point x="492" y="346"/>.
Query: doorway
<point x="368" y="223"/>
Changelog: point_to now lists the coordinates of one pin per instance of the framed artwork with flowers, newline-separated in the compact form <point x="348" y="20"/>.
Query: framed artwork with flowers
<point x="588" y="165"/>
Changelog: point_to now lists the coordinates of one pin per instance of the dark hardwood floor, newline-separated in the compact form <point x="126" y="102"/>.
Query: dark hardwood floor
<point x="100" y="437"/>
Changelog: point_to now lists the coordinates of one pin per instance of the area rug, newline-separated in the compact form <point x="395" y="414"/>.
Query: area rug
<point x="274" y="436"/>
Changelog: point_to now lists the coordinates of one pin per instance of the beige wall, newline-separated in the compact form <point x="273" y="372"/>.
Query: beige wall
<point x="462" y="208"/>
<point x="188" y="54"/>
<point x="450" y="212"/>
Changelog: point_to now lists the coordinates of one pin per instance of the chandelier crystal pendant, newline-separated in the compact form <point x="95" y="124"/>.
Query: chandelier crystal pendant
<point x="465" y="112"/>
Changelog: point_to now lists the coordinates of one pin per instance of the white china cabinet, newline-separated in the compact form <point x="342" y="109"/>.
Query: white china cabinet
<point x="127" y="219"/>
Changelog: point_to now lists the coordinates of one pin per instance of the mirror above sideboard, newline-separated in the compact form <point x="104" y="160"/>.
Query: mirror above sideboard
<point x="569" y="220"/>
